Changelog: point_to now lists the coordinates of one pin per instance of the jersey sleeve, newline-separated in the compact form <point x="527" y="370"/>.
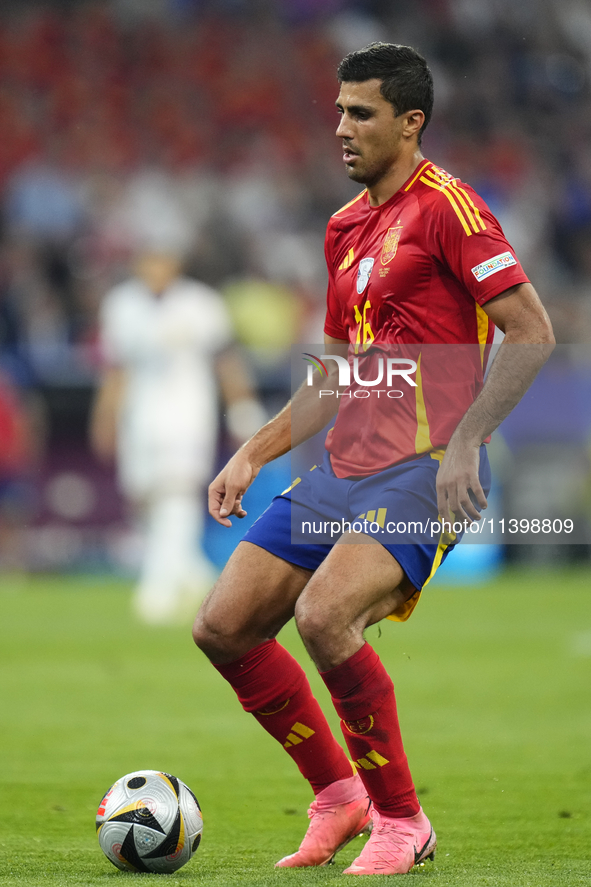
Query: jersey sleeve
<point x="333" y="325"/>
<point x="220" y="330"/>
<point x="468" y="240"/>
<point x="114" y="329"/>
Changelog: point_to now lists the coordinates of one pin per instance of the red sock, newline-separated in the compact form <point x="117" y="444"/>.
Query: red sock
<point x="363" y="695"/>
<point x="270" y="684"/>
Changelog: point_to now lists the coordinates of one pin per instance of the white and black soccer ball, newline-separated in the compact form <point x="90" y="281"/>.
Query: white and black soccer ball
<point x="149" y="821"/>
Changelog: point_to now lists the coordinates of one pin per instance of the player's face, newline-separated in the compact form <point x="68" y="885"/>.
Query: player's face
<point x="157" y="270"/>
<point x="370" y="132"/>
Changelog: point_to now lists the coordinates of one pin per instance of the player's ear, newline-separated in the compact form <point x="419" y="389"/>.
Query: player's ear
<point x="413" y="120"/>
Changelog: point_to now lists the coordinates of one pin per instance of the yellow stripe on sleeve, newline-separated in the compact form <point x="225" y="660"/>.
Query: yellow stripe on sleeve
<point x="467" y="211"/>
<point x="456" y="208"/>
<point x="451" y="184"/>
<point x="475" y="209"/>
<point x="415" y="177"/>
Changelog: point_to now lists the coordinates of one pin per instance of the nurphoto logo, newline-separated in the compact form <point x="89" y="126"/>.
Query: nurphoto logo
<point x="387" y="370"/>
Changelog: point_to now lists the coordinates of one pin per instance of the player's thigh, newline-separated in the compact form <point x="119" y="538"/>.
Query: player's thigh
<point x="359" y="583"/>
<point x="251" y="601"/>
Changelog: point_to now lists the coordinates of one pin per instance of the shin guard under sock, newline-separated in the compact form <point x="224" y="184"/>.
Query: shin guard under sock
<point x="363" y="695"/>
<point x="272" y="686"/>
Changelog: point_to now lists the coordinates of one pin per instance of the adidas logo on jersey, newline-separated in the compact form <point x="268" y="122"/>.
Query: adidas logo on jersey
<point x="347" y="261"/>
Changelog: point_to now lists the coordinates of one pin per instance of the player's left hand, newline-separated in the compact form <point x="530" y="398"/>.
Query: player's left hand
<point x="458" y="486"/>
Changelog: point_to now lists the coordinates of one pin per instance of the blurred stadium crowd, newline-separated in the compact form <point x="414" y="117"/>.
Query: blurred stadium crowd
<point x="207" y="127"/>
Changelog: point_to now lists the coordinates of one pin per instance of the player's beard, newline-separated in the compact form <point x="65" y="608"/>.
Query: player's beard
<point x="371" y="174"/>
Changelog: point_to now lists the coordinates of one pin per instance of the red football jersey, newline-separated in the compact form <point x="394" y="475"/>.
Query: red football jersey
<point x="413" y="272"/>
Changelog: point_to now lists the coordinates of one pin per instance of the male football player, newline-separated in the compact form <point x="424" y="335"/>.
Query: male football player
<point x="417" y="259"/>
<point x="166" y="341"/>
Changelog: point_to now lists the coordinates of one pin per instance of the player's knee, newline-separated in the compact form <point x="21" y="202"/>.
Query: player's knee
<point x="317" y="624"/>
<point x="212" y="639"/>
<point x="202" y="634"/>
<point x="222" y="636"/>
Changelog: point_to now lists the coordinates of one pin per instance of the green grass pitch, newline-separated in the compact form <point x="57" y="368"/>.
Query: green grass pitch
<point x="493" y="687"/>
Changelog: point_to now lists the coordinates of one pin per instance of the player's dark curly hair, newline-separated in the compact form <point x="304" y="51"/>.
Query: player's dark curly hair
<point x="407" y="82"/>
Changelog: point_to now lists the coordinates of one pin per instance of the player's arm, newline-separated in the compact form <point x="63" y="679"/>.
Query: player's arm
<point x="273" y="440"/>
<point x="104" y="414"/>
<point x="243" y="411"/>
<point x="519" y="313"/>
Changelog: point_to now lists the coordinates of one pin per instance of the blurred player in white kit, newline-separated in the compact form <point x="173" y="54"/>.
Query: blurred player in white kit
<point x="167" y="344"/>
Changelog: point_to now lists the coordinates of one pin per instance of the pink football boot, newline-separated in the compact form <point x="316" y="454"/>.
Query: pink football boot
<point x="335" y="820"/>
<point x="395" y="846"/>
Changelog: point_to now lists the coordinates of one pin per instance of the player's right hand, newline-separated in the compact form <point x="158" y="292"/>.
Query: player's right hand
<point x="227" y="489"/>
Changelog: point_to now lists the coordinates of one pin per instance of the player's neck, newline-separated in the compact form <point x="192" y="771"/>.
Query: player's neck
<point x="394" y="179"/>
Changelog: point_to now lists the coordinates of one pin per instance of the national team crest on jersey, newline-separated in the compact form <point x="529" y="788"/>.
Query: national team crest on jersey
<point x="390" y="247"/>
<point x="364" y="273"/>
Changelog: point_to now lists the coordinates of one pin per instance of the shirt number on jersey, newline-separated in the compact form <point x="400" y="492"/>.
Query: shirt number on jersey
<point x="365" y="334"/>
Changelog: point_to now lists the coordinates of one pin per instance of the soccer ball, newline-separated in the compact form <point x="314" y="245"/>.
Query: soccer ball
<point x="149" y="821"/>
